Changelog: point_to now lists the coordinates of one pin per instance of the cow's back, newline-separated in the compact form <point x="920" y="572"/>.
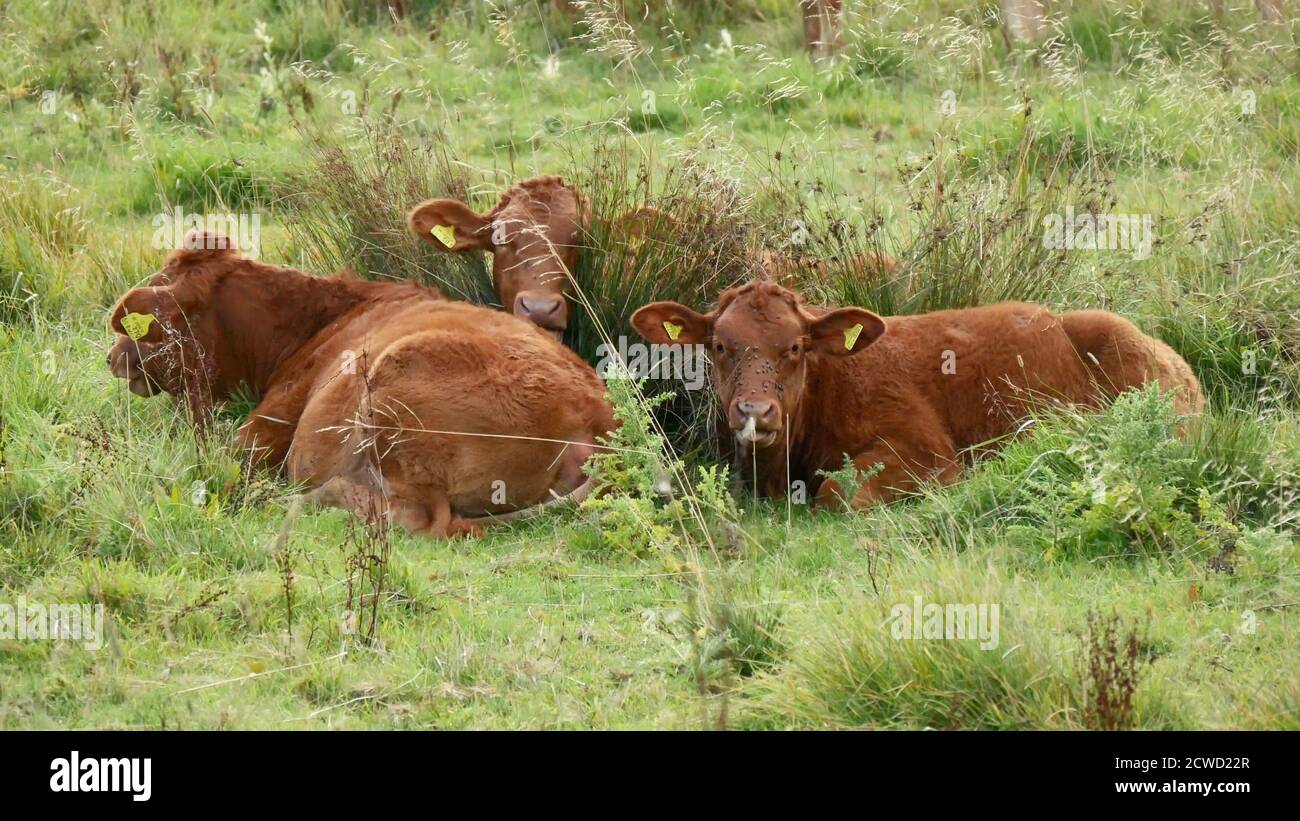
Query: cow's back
<point x="978" y="372"/>
<point x="1119" y="357"/>
<point x="984" y="369"/>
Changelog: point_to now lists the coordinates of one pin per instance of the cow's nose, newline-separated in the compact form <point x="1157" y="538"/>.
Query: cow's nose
<point x="540" y="308"/>
<point x="546" y="311"/>
<point x="119" y="362"/>
<point x="763" y="411"/>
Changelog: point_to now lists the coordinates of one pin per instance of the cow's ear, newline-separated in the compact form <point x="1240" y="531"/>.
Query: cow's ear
<point x="146" y="314"/>
<point x="450" y="225"/>
<point x="199" y="241"/>
<point x="845" y="331"/>
<point x="671" y="323"/>
<point x="201" y="246"/>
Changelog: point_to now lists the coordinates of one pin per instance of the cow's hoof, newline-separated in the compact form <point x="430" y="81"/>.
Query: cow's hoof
<point x="463" y="528"/>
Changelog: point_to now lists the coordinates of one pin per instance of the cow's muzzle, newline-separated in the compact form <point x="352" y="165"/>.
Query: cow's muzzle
<point x="124" y="363"/>
<point x="547" y="311"/>
<point x="756" y="422"/>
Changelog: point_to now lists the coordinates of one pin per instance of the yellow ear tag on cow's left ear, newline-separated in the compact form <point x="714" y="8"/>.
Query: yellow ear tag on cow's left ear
<point x="673" y="331"/>
<point x="137" y="325"/>
<point x="445" y="234"/>
<point x="851" y="336"/>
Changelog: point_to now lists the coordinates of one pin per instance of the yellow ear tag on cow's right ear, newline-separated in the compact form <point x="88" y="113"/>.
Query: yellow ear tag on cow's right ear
<point x="445" y="234"/>
<point x="851" y="336"/>
<point x="137" y="325"/>
<point x="673" y="331"/>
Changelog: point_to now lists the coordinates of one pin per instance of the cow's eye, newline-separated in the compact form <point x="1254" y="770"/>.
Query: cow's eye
<point x="795" y="348"/>
<point x="719" y="348"/>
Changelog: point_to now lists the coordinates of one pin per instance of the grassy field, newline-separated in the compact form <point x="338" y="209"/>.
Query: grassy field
<point x="1142" y="579"/>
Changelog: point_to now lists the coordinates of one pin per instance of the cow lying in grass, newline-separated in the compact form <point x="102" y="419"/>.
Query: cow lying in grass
<point x="534" y="234"/>
<point x="908" y="393"/>
<point x="379" y="395"/>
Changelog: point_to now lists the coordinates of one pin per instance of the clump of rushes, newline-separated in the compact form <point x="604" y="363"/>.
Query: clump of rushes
<point x="691" y="246"/>
<point x="348" y="208"/>
<point x="970" y="236"/>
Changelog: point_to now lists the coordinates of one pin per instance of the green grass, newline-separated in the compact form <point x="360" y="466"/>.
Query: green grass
<point x="331" y="120"/>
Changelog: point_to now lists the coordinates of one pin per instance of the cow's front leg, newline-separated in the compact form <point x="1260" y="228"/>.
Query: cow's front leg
<point x="267" y="437"/>
<point x="821" y="22"/>
<point x="904" y="465"/>
<point x="269" y="430"/>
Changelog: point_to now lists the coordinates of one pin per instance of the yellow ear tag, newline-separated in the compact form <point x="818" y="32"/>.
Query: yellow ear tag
<point x="674" y="331"/>
<point x="445" y="234"/>
<point x="851" y="336"/>
<point x="137" y="325"/>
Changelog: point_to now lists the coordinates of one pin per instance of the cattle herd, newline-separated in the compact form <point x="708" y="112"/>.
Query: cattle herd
<point x="454" y="415"/>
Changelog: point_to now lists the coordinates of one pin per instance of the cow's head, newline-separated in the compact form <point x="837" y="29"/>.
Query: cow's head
<point x="532" y="234"/>
<point x="169" y="336"/>
<point x="762" y="340"/>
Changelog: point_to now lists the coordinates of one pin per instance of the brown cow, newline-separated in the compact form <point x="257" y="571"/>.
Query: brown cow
<point x="533" y="236"/>
<point x="374" y="393"/>
<point x="907" y="392"/>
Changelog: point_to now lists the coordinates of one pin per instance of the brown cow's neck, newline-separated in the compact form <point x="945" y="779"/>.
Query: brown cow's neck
<point x="833" y="398"/>
<point x="816" y="427"/>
